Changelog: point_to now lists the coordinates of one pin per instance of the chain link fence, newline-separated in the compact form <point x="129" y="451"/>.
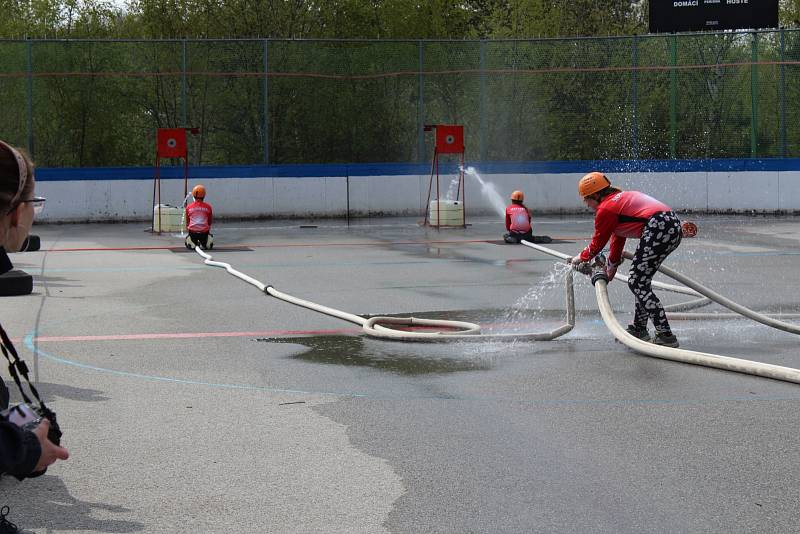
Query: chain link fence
<point x="78" y="103"/>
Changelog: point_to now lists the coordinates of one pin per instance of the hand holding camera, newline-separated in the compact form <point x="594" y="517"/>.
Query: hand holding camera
<point x="35" y="418"/>
<point x="50" y="450"/>
<point x="42" y="422"/>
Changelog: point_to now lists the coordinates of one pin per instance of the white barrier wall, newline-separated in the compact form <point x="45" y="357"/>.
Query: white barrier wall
<point x="403" y="195"/>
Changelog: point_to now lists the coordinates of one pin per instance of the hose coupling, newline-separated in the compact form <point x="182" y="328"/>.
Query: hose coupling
<point x="599" y="274"/>
<point x="599" y="269"/>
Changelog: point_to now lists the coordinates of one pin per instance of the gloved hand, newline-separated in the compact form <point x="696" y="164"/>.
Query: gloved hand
<point x="611" y="268"/>
<point x="579" y="265"/>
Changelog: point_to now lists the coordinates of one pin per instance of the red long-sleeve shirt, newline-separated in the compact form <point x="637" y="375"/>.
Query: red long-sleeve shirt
<point x="618" y="217"/>
<point x="198" y="217"/>
<point x="518" y="218"/>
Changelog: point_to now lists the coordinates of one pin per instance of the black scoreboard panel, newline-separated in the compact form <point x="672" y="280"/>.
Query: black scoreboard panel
<point x="667" y="16"/>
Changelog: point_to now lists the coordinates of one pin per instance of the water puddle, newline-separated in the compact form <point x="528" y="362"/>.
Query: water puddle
<point x="392" y="356"/>
<point x="430" y="358"/>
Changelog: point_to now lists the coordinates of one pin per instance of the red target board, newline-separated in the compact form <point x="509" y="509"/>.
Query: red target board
<point x="171" y="142"/>
<point x="449" y="139"/>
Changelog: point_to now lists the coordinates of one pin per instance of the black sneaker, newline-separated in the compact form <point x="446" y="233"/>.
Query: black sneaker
<point x="666" y="339"/>
<point x="637" y="332"/>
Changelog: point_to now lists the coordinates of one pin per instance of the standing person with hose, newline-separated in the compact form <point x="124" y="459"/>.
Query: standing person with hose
<point x="618" y="216"/>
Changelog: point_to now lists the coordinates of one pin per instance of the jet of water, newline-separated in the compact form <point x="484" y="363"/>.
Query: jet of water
<point x="452" y="189"/>
<point x="489" y="191"/>
<point x="527" y="313"/>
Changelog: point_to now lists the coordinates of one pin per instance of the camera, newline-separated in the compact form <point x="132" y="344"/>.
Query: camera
<point x="28" y="417"/>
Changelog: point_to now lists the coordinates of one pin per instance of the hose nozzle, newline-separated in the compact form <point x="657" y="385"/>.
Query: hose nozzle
<point x="599" y="269"/>
<point x="590" y="268"/>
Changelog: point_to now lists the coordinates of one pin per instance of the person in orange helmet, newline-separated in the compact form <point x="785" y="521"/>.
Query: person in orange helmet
<point x="199" y="216"/>
<point x="618" y="216"/>
<point x="518" y="220"/>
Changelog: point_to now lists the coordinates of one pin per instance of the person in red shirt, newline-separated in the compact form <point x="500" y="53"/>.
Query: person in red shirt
<point x="518" y="220"/>
<point x="199" y="216"/>
<point x="618" y="216"/>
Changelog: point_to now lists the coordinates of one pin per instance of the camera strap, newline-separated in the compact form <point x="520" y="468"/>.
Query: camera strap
<point x="17" y="367"/>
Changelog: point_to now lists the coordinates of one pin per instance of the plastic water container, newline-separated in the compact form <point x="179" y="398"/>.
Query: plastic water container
<point x="171" y="218"/>
<point x="446" y="213"/>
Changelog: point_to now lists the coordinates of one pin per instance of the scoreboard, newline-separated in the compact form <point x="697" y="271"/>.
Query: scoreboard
<point x="668" y="16"/>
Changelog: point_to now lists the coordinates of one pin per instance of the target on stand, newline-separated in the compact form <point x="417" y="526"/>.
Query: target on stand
<point x="449" y="139"/>
<point x="171" y="142"/>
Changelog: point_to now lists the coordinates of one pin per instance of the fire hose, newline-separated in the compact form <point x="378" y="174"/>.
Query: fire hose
<point x="460" y="330"/>
<point x="379" y="326"/>
<point x="600" y="282"/>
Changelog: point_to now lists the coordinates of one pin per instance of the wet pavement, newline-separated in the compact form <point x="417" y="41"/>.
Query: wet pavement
<point x="191" y="402"/>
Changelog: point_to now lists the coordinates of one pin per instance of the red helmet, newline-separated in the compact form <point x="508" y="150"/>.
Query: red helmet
<point x="688" y="229"/>
<point x="199" y="191"/>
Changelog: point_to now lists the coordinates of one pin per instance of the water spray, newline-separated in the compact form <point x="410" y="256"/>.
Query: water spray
<point x="489" y="191"/>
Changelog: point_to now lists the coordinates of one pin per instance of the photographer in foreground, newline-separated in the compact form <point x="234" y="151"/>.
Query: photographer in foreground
<point x="23" y="453"/>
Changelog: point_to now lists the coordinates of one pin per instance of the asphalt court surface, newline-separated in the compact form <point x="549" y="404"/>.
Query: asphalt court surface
<point x="191" y="402"/>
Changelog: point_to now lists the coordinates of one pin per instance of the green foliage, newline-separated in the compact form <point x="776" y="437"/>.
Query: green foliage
<point x="300" y="81"/>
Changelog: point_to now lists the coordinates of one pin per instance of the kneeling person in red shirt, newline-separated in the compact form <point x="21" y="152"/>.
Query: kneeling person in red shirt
<point x="518" y="220"/>
<point x="198" y="220"/>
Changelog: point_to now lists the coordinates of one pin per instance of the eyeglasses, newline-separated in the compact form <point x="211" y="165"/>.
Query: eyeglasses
<point x="38" y="204"/>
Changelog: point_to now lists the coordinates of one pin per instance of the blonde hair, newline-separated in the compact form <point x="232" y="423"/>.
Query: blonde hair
<point x="16" y="176"/>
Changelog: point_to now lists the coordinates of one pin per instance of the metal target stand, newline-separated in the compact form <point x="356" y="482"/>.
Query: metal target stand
<point x="170" y="144"/>
<point x="449" y="139"/>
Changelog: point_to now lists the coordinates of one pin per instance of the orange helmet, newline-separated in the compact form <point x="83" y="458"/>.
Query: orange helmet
<point x="518" y="195"/>
<point x="199" y="191"/>
<point x="592" y="183"/>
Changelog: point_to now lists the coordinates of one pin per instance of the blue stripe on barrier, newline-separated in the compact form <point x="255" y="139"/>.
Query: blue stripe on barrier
<point x="45" y="174"/>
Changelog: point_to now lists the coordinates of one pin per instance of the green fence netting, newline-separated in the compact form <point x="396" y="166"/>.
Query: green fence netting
<point x="77" y="103"/>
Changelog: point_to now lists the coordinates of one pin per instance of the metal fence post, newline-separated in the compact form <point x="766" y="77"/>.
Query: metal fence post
<point x="30" y="98"/>
<point x="782" y="90"/>
<point x="673" y="99"/>
<point x="421" y="106"/>
<point x="183" y="85"/>
<point x="265" y="127"/>
<point x="754" y="97"/>
<point x="484" y="122"/>
<point x="634" y="98"/>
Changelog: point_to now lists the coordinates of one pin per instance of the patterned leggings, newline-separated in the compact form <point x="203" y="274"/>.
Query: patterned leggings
<point x="660" y="236"/>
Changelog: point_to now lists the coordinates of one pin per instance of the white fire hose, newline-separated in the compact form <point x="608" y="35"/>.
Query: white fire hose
<point x="376" y="326"/>
<point x="738" y="365"/>
<point x="766" y="319"/>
